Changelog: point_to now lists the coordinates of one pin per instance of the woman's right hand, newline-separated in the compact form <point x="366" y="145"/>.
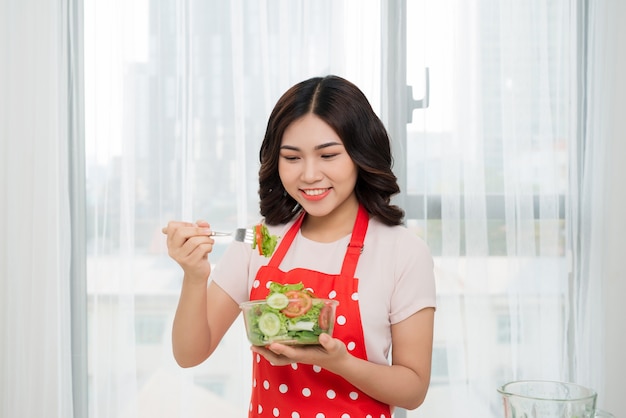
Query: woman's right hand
<point x="189" y="244"/>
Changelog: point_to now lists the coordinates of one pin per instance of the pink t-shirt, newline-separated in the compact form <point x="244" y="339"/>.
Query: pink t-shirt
<point x="395" y="273"/>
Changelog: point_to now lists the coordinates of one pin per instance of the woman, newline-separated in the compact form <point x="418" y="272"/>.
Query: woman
<point x="325" y="187"/>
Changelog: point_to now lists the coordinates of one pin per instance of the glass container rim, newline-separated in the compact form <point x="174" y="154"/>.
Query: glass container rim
<point x="264" y="301"/>
<point x="505" y="391"/>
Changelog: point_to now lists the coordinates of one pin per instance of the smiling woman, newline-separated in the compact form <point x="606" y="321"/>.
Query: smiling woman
<point x="397" y="293"/>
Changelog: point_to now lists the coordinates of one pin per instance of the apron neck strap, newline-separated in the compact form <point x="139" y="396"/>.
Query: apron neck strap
<point x="355" y="247"/>
<point x="285" y="243"/>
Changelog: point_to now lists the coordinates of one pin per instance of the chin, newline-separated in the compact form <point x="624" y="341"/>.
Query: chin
<point x="316" y="209"/>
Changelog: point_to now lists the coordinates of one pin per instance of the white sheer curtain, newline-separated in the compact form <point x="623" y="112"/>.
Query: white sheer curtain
<point x="177" y="96"/>
<point x="175" y="99"/>
<point x="35" y="340"/>
<point x="603" y="199"/>
<point x="494" y="184"/>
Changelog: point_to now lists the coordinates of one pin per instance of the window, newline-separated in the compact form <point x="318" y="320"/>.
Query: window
<point x="177" y="98"/>
<point x="178" y="94"/>
<point x="487" y="158"/>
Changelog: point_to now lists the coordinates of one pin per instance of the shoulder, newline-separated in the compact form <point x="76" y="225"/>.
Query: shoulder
<point x="397" y="236"/>
<point x="399" y="245"/>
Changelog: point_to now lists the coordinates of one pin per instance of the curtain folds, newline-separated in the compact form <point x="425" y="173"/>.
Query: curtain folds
<point x="501" y="186"/>
<point x="505" y="178"/>
<point x="35" y="250"/>
<point x="599" y="224"/>
<point x="177" y="95"/>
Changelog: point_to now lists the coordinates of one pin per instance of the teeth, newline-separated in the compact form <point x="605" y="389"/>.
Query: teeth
<point x="314" y="192"/>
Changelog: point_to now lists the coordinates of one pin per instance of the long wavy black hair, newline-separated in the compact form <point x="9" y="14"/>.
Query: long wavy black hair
<point x="344" y="107"/>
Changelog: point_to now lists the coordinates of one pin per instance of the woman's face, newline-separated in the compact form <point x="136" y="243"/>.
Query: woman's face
<point x="315" y="167"/>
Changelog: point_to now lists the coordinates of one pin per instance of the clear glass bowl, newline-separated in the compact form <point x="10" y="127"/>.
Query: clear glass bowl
<point x="265" y="324"/>
<point x="543" y="398"/>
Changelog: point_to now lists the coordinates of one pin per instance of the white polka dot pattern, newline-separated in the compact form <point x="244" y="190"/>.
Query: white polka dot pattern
<point x="308" y="391"/>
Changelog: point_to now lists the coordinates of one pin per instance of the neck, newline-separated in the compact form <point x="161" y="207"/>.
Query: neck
<point x="331" y="227"/>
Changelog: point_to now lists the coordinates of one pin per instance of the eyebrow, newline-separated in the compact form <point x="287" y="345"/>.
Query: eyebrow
<point x="317" y="147"/>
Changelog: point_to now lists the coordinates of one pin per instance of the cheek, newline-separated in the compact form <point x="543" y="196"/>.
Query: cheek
<point x="285" y="172"/>
<point x="348" y="174"/>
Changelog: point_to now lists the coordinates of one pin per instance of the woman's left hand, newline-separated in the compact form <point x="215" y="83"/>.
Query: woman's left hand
<point x="326" y="355"/>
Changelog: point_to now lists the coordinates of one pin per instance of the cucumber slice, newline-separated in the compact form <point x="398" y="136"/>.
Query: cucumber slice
<point x="269" y="324"/>
<point x="277" y="301"/>
<point x="301" y="326"/>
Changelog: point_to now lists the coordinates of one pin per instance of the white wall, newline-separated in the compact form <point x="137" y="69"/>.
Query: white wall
<point x="615" y="208"/>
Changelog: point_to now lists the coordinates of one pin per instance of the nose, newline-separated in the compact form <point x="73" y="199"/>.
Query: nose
<point x="310" y="171"/>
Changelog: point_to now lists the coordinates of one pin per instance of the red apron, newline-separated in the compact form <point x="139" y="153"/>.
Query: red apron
<point x="302" y="390"/>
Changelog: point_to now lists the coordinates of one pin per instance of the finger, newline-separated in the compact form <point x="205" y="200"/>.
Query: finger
<point x="174" y="225"/>
<point x="172" y="229"/>
<point x="281" y="350"/>
<point x="178" y="237"/>
<point x="328" y="343"/>
<point x="202" y="223"/>
<point x="197" y="247"/>
<point x="325" y="340"/>
<point x="274" y="358"/>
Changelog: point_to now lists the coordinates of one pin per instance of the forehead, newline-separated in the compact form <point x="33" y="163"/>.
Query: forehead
<point x="309" y="129"/>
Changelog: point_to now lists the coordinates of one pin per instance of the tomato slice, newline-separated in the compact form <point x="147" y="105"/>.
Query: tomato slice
<point x="259" y="238"/>
<point x="299" y="303"/>
<point x="324" y="318"/>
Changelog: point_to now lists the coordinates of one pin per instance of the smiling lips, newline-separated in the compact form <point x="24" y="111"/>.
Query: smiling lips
<point x="314" y="194"/>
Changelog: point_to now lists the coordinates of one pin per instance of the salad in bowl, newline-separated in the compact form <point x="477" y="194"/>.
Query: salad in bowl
<point x="290" y="314"/>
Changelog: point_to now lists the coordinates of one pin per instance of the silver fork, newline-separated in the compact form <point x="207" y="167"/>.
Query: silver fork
<point x="240" y="234"/>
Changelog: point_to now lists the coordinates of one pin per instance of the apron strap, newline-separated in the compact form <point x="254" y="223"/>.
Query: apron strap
<point x="354" y="250"/>
<point x="355" y="247"/>
<point x="285" y="243"/>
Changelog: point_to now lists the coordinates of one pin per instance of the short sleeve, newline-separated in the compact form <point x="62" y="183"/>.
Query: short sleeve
<point x="414" y="287"/>
<point x="232" y="271"/>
